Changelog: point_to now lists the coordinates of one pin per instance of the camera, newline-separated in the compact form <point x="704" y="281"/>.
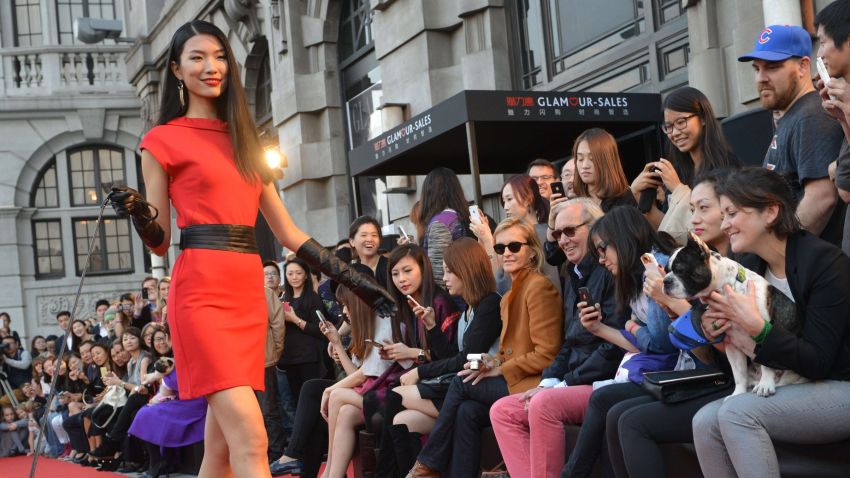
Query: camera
<point x="474" y="361"/>
<point x="3" y="346"/>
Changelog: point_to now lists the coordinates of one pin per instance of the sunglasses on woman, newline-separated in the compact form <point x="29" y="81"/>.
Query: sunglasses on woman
<point x="513" y="247"/>
<point x="569" y="231"/>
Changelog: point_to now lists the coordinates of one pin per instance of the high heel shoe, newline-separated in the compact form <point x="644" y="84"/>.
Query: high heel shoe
<point x="110" y="464"/>
<point x="106" y="449"/>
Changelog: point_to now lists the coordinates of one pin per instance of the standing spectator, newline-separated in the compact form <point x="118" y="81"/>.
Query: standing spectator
<point x="599" y="170"/>
<point x="759" y="219"/>
<point x="532" y="327"/>
<point x="269" y="401"/>
<point x="38" y="346"/>
<point x="806" y="139"/>
<point x="304" y="345"/>
<point x="833" y="24"/>
<point x="6" y="321"/>
<point x="271" y="278"/>
<point x="17" y="367"/>
<point x="63" y="318"/>
<point x="364" y="235"/>
<point x="542" y="172"/>
<point x="99" y="330"/>
<point x="124" y="317"/>
<point x="161" y="311"/>
<point x="568" y="172"/>
<point x="529" y="425"/>
<point x="145" y="303"/>
<point x="445" y="214"/>
<point x="695" y="144"/>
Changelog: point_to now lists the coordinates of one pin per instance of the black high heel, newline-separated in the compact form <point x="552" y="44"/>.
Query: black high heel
<point x="110" y="464"/>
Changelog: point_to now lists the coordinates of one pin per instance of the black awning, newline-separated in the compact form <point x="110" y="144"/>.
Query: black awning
<point x="510" y="129"/>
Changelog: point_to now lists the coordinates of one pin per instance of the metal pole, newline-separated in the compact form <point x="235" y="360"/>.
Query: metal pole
<point x="472" y="148"/>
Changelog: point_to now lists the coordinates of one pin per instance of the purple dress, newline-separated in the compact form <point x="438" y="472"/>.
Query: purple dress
<point x="173" y="423"/>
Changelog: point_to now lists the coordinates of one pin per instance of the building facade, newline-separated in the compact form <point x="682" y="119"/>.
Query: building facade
<point x="322" y="77"/>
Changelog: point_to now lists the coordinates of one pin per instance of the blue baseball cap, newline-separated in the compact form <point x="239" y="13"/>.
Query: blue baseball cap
<point x="780" y="42"/>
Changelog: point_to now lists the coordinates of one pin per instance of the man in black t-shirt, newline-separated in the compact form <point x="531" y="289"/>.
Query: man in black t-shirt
<point x="806" y="139"/>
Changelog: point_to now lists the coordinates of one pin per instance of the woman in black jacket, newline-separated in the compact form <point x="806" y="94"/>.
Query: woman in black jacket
<point x="467" y="274"/>
<point x="734" y="437"/>
<point x="304" y="345"/>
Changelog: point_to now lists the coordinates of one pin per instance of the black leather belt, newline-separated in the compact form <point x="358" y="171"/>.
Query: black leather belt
<point x="221" y="237"/>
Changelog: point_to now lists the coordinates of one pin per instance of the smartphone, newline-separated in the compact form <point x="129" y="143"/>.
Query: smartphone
<point x="145" y="294"/>
<point x="321" y="317"/>
<point x="286" y="306"/>
<point x="558" y="188"/>
<point x="584" y="296"/>
<point x="374" y="344"/>
<point x="824" y="74"/>
<point x="403" y="232"/>
<point x="413" y="300"/>
<point x="103" y="371"/>
<point x="474" y="215"/>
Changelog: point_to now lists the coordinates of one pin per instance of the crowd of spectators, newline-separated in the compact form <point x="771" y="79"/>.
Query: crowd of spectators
<point x="545" y="319"/>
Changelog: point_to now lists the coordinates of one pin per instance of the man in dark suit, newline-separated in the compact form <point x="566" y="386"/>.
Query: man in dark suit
<point x="63" y="318"/>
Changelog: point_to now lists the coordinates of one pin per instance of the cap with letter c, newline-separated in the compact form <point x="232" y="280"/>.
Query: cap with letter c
<point x="780" y="42"/>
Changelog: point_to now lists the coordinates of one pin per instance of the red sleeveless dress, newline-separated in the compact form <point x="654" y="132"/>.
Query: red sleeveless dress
<point x="216" y="304"/>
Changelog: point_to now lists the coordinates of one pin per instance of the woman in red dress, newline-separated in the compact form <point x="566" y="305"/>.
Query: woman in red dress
<point x="204" y="158"/>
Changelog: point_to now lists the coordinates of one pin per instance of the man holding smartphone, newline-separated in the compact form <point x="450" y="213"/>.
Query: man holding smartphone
<point x="145" y="302"/>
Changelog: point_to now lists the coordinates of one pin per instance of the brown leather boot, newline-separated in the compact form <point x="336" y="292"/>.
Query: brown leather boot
<point x="421" y="471"/>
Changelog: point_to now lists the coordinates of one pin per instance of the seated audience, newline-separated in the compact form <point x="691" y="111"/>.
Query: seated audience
<point x="532" y="327"/>
<point x="759" y="218"/>
<point x="529" y="424"/>
<point x="14" y="434"/>
<point x="599" y="171"/>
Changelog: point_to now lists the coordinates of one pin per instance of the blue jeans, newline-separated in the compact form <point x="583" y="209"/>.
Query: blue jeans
<point x="287" y="402"/>
<point x="733" y="438"/>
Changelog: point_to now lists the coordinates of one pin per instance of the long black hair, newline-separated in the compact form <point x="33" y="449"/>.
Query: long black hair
<point x="288" y="291"/>
<point x="626" y="230"/>
<point x="427" y="290"/>
<point x="231" y="106"/>
<point x="715" y="152"/>
<point x="441" y="190"/>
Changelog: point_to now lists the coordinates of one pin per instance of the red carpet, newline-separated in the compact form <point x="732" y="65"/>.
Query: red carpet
<point x="19" y="467"/>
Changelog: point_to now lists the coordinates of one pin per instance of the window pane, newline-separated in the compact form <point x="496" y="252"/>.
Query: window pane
<point x="27" y="25"/>
<point x="92" y="170"/>
<point x="45" y="194"/>
<point x="583" y="21"/>
<point x="48" y="249"/>
<point x="112" y="251"/>
<point x="531" y="41"/>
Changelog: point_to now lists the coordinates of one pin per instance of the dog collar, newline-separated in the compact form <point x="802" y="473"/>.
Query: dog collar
<point x="742" y="274"/>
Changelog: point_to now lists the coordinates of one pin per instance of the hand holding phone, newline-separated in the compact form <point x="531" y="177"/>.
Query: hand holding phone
<point x="286" y="306"/>
<point x="474" y="215"/>
<point x="584" y="296"/>
<point x="377" y="345"/>
<point x="410" y="298"/>
<point x="321" y="317"/>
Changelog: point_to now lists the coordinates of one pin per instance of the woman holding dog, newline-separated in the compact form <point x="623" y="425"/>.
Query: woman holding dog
<point x="637" y="427"/>
<point x="733" y="437"/>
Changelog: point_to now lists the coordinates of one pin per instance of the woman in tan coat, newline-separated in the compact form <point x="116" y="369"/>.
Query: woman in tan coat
<point x="532" y="330"/>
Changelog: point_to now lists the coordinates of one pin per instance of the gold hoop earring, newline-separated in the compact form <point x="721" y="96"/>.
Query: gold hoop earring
<point x="180" y="94"/>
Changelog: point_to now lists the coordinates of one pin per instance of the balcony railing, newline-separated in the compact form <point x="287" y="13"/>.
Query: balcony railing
<point x="64" y="69"/>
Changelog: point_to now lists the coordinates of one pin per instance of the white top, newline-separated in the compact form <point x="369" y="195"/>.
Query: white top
<point x="373" y="364"/>
<point x="781" y="284"/>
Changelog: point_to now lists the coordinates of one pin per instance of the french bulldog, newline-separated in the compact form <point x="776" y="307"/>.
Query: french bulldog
<point x="695" y="271"/>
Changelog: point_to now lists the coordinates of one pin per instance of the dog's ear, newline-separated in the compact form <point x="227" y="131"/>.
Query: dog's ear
<point x="694" y="240"/>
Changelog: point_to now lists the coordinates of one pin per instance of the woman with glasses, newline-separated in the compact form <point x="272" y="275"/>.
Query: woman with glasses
<point x="695" y="145"/>
<point x="532" y="329"/>
<point x="618" y="240"/>
<point x="522" y="202"/>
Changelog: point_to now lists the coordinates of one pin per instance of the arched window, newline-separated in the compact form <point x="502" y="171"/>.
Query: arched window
<point x="91" y="171"/>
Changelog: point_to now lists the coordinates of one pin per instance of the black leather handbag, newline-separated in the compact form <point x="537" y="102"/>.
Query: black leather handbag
<point x="681" y="385"/>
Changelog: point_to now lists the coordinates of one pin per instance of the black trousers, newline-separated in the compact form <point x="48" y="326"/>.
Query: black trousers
<point x="591" y="439"/>
<point x="121" y="424"/>
<point x="454" y="445"/>
<point x="637" y="428"/>
<point x="76" y="433"/>
<point x="270" y="407"/>
<point x="298" y="374"/>
<point x="309" y="439"/>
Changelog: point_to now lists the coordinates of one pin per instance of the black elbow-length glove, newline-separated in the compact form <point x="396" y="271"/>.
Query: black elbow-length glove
<point x="129" y="202"/>
<point x="362" y="285"/>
